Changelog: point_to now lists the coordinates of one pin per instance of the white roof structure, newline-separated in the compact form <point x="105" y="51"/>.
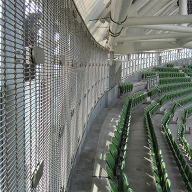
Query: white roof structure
<point x="130" y="26"/>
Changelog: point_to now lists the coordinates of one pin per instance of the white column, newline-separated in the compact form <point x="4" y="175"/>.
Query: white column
<point x="183" y="9"/>
<point x="119" y="11"/>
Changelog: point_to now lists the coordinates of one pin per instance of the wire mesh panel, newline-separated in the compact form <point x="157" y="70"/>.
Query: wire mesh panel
<point x="52" y="75"/>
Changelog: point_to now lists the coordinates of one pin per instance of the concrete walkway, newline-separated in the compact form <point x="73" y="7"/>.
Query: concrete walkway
<point x="90" y="174"/>
<point x="138" y="165"/>
<point x="177" y="183"/>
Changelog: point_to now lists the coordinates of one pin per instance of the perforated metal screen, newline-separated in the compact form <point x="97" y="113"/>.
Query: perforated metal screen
<point x="52" y="74"/>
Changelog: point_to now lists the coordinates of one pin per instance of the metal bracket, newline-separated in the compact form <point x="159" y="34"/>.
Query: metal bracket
<point x="37" y="55"/>
<point x="61" y="131"/>
<point x="62" y="59"/>
<point x="72" y="112"/>
<point x="62" y="189"/>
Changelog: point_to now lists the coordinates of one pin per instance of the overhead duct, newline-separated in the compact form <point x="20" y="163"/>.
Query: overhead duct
<point x="119" y="11"/>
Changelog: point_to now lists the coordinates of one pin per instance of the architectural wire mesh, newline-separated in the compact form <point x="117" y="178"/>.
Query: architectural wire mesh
<point x="45" y="106"/>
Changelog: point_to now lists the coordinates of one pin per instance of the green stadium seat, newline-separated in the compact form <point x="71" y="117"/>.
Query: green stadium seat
<point x="113" y="150"/>
<point x="129" y="190"/>
<point x="123" y="182"/>
<point x="168" y="185"/>
<point x="109" y="172"/>
<point x="110" y="161"/>
<point x="114" y="187"/>
<point x="116" y="142"/>
<point x="117" y="135"/>
<point x="158" y="187"/>
<point x="157" y="179"/>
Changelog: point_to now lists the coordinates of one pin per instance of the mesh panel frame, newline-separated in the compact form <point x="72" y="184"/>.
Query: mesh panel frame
<point x="44" y="107"/>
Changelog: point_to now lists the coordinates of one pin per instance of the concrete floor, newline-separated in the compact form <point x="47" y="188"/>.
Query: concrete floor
<point x="91" y="163"/>
<point x="138" y="165"/>
<point x="82" y="181"/>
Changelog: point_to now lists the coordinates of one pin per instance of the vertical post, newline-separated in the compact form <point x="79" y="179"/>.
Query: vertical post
<point x="129" y="63"/>
<point x="183" y="9"/>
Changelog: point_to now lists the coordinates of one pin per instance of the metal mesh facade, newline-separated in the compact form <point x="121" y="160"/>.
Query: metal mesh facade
<point x="47" y="95"/>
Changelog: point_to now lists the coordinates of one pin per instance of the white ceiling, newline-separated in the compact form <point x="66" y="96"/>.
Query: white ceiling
<point x="96" y="14"/>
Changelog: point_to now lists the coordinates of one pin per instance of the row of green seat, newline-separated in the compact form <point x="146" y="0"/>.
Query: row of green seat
<point x="189" y="74"/>
<point x="174" y="86"/>
<point x="171" y="74"/>
<point x="179" y="157"/>
<point x="163" y="88"/>
<point x="166" y="69"/>
<point x="174" y="80"/>
<point x="181" y="131"/>
<point x="187" y="70"/>
<point x="137" y="98"/>
<point x="189" y="66"/>
<point x="170" y="65"/>
<point x="115" y="158"/>
<point x="144" y="75"/>
<point x="186" y="146"/>
<point x="186" y="113"/>
<point x="168" y="96"/>
<point x="123" y="182"/>
<point x="162" y="74"/>
<point x="153" y="91"/>
<point x="166" y="119"/>
<point x="125" y="87"/>
<point x="160" y="172"/>
<point x="155" y="108"/>
<point x="182" y="101"/>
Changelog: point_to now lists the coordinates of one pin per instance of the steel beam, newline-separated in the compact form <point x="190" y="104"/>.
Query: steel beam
<point x="173" y="19"/>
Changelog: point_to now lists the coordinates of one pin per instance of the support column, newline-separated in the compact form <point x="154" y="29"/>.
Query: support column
<point x="183" y="9"/>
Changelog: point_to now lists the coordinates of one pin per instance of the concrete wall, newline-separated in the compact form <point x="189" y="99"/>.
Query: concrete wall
<point x="114" y="74"/>
<point x="107" y="98"/>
